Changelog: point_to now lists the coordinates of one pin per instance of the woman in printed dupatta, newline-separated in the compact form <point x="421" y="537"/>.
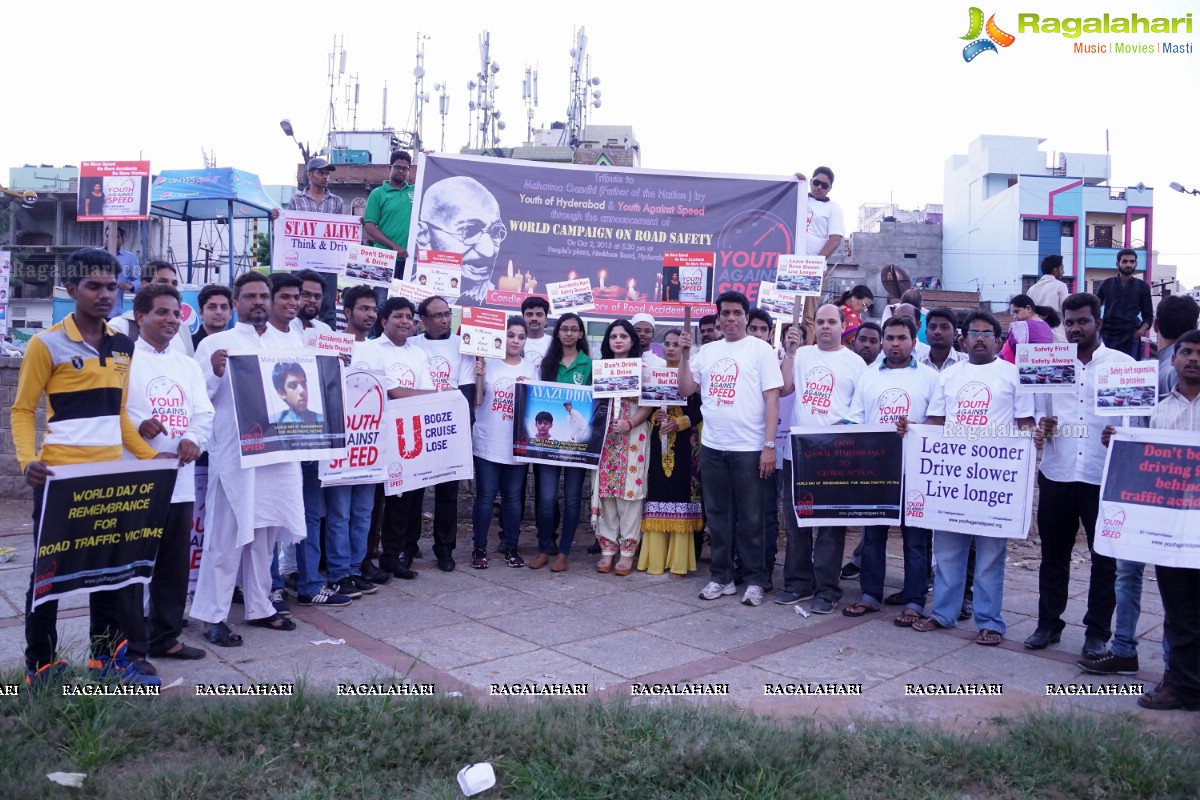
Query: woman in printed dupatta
<point x="674" y="513"/>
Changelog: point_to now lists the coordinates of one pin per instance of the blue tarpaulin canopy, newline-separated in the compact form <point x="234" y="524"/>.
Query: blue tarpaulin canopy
<point x="209" y="194"/>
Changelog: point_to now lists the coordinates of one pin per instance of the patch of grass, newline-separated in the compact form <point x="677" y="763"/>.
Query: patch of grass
<point x="315" y="745"/>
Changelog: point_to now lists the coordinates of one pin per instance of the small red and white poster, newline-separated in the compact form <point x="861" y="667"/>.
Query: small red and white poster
<point x="482" y="332"/>
<point x="413" y="291"/>
<point x="113" y="190"/>
<point x="336" y="342"/>
<point x="1047" y="368"/>
<point x="780" y="305"/>
<point x="617" y="377"/>
<point x="373" y="266"/>
<point x="309" y="240"/>
<point x="688" y="277"/>
<point x="799" y="276"/>
<point x="574" y="295"/>
<point x="445" y="281"/>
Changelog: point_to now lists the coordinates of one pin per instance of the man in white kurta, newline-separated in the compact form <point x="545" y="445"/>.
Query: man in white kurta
<point x="248" y="510"/>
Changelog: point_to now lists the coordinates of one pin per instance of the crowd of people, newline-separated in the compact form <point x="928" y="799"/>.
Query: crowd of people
<point x="719" y="465"/>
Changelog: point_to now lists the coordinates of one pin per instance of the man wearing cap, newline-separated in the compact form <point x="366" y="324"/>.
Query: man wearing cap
<point x="643" y="325"/>
<point x="317" y="197"/>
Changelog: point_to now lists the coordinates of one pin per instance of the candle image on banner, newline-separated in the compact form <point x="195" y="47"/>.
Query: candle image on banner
<point x="1126" y="389"/>
<point x="799" y="276"/>
<point x="558" y="423"/>
<point x="308" y="240"/>
<point x="617" y="377"/>
<point x="1150" y="498"/>
<point x="573" y="295"/>
<point x="483" y="332"/>
<point x="289" y="407"/>
<point x="779" y="305"/>
<point x="660" y="386"/>
<point x="688" y="277"/>
<point x="373" y="266"/>
<point x="982" y="485"/>
<point x="1047" y="368"/>
<point x="113" y="190"/>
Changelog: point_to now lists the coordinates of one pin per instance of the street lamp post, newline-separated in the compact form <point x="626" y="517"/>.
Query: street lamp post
<point x="1179" y="187"/>
<point x="286" y="125"/>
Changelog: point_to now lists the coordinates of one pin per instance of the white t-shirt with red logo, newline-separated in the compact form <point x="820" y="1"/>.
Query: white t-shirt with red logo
<point x="732" y="377"/>
<point x="824" y="386"/>
<point x="493" y="434"/>
<point x="170" y="387"/>
<point x="405" y="366"/>
<point x="882" y="396"/>
<point x="980" y="395"/>
<point x="447" y="366"/>
<point x="535" y="351"/>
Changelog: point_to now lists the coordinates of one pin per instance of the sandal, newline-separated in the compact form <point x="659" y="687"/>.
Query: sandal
<point x="624" y="566"/>
<point x="989" y="638"/>
<point x="275" y="622"/>
<point x="908" y="617"/>
<point x="926" y="624"/>
<point x="606" y="564"/>
<point x="967" y="611"/>
<point x="220" y="635"/>
<point x="859" y="609"/>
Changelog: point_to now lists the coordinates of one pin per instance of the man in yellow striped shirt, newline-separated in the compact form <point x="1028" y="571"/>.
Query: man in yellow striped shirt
<point x="82" y="367"/>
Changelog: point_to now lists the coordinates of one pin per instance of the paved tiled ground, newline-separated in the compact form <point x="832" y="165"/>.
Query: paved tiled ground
<point x="466" y="630"/>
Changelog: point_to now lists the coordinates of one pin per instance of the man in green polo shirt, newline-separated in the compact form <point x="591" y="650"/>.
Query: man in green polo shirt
<point x="389" y="210"/>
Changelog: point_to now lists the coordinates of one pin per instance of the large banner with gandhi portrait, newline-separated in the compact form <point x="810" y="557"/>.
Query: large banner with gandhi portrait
<point x="513" y="226"/>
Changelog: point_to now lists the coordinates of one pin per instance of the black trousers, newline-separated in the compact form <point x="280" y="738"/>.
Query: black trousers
<point x="41" y="623"/>
<point x="168" y="589"/>
<point x="1061" y="509"/>
<point x="1180" y="591"/>
<point x="401" y="528"/>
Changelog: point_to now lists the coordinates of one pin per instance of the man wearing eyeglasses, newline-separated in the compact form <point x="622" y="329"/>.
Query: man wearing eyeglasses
<point x="389" y="210"/>
<point x="312" y="296"/>
<point x="448" y="369"/>
<point x="459" y="215"/>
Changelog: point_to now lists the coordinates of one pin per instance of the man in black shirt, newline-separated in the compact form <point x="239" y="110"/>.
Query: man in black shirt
<point x="1128" y="311"/>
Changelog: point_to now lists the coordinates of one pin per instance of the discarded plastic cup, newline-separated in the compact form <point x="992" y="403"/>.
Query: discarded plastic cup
<point x="476" y="778"/>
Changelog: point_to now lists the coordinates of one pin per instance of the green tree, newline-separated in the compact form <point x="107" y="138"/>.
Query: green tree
<point x="262" y="249"/>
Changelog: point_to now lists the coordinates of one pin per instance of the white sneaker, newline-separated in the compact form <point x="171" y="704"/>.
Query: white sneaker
<point x="753" y="596"/>
<point x="713" y="589"/>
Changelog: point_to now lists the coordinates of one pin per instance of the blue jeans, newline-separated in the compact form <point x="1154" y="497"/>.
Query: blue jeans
<point x="547" y="506"/>
<point x="874" y="565"/>
<point x="951" y="551"/>
<point x="347" y="525"/>
<point x="491" y="479"/>
<point x="308" y="552"/>
<point x="1129" y="609"/>
<point x="734" y="496"/>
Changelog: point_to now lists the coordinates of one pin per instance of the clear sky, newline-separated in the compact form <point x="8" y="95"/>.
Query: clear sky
<point x="877" y="90"/>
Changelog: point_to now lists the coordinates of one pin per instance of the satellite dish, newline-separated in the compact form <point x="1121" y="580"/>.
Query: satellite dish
<point x="895" y="280"/>
<point x="500" y="125"/>
<point x="419" y="72"/>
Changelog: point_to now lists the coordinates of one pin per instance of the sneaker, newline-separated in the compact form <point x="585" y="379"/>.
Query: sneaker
<point x="714" y="589"/>
<point x="513" y="558"/>
<point x="822" y="606"/>
<point x="46" y="676"/>
<point x="324" y="597"/>
<point x="346" y="586"/>
<point x="363" y="585"/>
<point x="791" y="598"/>
<point x="479" y="559"/>
<point x="850" y="570"/>
<point x="1109" y="664"/>
<point x="118" y="666"/>
<point x="753" y="596"/>
<point x="279" y="600"/>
